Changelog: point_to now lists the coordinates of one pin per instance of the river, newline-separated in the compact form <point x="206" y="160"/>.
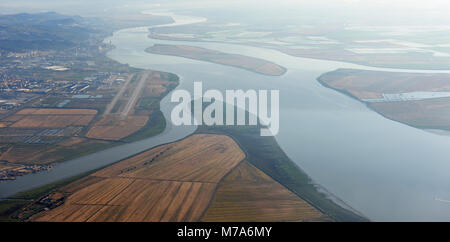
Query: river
<point x="386" y="170"/>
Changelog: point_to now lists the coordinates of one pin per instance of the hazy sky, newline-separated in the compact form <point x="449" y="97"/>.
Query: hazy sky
<point x="440" y="5"/>
<point x="382" y="12"/>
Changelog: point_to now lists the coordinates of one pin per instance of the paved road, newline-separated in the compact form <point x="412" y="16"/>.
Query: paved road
<point x="134" y="97"/>
<point x="118" y="95"/>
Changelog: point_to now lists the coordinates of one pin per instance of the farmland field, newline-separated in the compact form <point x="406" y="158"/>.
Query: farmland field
<point x="51" y="118"/>
<point x="47" y="154"/>
<point x="110" y="127"/>
<point x="50" y="111"/>
<point x="247" y="194"/>
<point x="173" y="182"/>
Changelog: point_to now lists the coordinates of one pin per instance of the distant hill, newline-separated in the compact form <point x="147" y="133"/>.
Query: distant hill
<point x="43" y="31"/>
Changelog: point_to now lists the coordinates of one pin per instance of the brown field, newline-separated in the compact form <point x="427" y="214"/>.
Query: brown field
<point x="102" y="192"/>
<point x="248" y="194"/>
<point x="4" y="124"/>
<point x="13" y="118"/>
<point x="158" y="78"/>
<point x="208" y="160"/>
<point x="51" y="118"/>
<point x="24" y="153"/>
<point x="72" y="141"/>
<point x="27" y="111"/>
<point x="80" y="184"/>
<point x="111" y="127"/>
<point x="155" y="90"/>
<point x="56" y="111"/>
<point x="173" y="182"/>
<point x="52" y="121"/>
<point x="45" y="154"/>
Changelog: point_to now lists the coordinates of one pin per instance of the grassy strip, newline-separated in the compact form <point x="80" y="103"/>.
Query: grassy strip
<point x="38" y="192"/>
<point x="70" y="154"/>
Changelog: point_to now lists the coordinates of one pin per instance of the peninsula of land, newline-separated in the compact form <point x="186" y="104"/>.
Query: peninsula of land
<point x="240" y="61"/>
<point x="415" y="99"/>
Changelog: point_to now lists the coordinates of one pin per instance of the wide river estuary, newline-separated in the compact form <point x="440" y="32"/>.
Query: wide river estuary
<point x="385" y="170"/>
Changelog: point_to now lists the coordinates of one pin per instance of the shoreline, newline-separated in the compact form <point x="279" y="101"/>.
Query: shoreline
<point x="428" y="129"/>
<point x="405" y="68"/>
<point x="315" y="192"/>
<point x="254" y="70"/>
<point x="323" y="201"/>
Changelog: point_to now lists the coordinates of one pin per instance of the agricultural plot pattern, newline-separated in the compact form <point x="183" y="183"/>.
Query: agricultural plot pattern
<point x="36" y="135"/>
<point x="57" y="128"/>
<point x="51" y="118"/>
<point x="114" y="128"/>
<point x="174" y="182"/>
<point x="248" y="194"/>
<point x="209" y="181"/>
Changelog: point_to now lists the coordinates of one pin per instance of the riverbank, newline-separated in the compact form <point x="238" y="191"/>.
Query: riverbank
<point x="266" y="155"/>
<point x="416" y="100"/>
<point x="262" y="152"/>
<point x="323" y="132"/>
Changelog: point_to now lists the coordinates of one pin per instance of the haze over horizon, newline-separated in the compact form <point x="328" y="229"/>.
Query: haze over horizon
<point x="350" y="12"/>
<point x="96" y="110"/>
